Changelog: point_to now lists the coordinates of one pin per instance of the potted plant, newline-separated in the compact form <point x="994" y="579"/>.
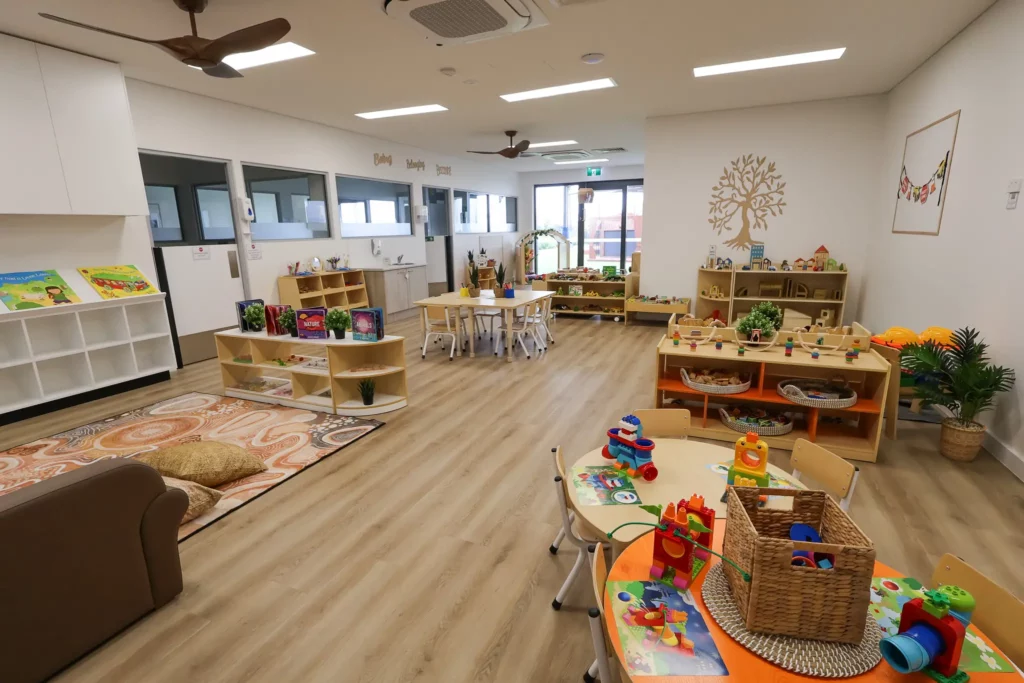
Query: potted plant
<point x="960" y="378"/>
<point x="474" y="280"/>
<point x="499" y="280"/>
<point x="338" y="320"/>
<point x="764" y="316"/>
<point x="287" y="321"/>
<point x="255" y="317"/>
<point x="366" y="389"/>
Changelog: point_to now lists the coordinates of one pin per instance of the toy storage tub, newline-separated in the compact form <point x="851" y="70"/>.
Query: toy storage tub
<point x="714" y="388"/>
<point x="804" y="602"/>
<point x="744" y="427"/>
<point x="797" y="390"/>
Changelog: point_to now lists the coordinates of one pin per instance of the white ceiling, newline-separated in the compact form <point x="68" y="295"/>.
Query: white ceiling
<point x="367" y="61"/>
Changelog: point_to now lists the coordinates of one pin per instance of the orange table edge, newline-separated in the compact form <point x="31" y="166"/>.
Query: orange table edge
<point x="634" y="564"/>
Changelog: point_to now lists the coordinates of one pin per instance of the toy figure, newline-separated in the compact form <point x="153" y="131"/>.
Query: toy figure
<point x="750" y="464"/>
<point x="931" y="635"/>
<point x="630" y="450"/>
<point x="740" y="351"/>
<point x="789" y="347"/>
<point x="693" y="346"/>
<point x="814" y="355"/>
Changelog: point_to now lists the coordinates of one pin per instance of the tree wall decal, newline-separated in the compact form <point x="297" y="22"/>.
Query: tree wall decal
<point x="754" y="190"/>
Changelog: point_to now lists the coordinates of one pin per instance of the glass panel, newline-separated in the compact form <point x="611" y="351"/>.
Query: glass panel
<point x="438" y="218"/>
<point x="288" y="205"/>
<point x="373" y="208"/>
<point x="502" y="213"/>
<point x="215" y="212"/>
<point x="557" y="208"/>
<point x="634" y="219"/>
<point x="164" y="222"/>
<point x="470" y="211"/>
<point x="602" y="229"/>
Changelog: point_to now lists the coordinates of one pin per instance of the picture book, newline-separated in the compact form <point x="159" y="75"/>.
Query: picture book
<point x="575" y="290"/>
<point x="604" y="485"/>
<point x="310" y="322"/>
<point x="273" y="313"/>
<point x="673" y="641"/>
<point x="117" y="282"/>
<point x="240" y="307"/>
<point x="367" y="324"/>
<point x="887" y="599"/>
<point x="35" y="289"/>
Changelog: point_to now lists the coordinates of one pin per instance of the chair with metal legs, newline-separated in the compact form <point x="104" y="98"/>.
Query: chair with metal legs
<point x="567" y="531"/>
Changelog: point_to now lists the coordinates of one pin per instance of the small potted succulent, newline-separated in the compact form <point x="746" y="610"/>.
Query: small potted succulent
<point x="474" y="280"/>
<point x="255" y="317"/>
<point x="366" y="389"/>
<point x="287" y="321"/>
<point x="764" y="316"/>
<point x="960" y="378"/>
<point x="338" y="320"/>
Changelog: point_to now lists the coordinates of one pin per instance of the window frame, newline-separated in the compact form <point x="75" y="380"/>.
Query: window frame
<point x="366" y="208"/>
<point x="199" y="214"/>
<point x="186" y="240"/>
<point x="487" y="203"/>
<point x="177" y="205"/>
<point x="247" y="186"/>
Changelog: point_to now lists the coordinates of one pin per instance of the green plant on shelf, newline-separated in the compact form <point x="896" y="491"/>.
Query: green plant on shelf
<point x="499" y="276"/>
<point x="287" y="319"/>
<point x="255" y="317"/>
<point x="764" y="316"/>
<point x="474" y="274"/>
<point x="337" y="319"/>
<point x="367" y="387"/>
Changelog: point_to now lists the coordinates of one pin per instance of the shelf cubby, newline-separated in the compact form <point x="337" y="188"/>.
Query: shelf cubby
<point x="54" y="335"/>
<point x="104" y="326"/>
<point x="64" y="375"/>
<point x="154" y="354"/>
<point x="18" y="387"/>
<point x="148" y="319"/>
<point x="111" y="364"/>
<point x="14" y="347"/>
<point x="336" y="289"/>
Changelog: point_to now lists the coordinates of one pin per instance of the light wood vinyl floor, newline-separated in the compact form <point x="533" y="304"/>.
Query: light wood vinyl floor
<point x="420" y="553"/>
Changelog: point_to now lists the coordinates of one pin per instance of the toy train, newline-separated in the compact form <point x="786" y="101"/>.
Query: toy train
<point x="630" y="450"/>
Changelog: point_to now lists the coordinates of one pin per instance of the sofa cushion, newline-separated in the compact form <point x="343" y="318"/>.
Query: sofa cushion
<point x="200" y="498"/>
<point x="210" y="463"/>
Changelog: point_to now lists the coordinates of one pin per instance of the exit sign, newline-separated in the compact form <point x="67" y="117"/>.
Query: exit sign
<point x="591" y="172"/>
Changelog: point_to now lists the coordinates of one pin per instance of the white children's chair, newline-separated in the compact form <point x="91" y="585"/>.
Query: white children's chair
<point x="438" y="325"/>
<point x="567" y="530"/>
<point x="605" y="666"/>
<point x="668" y="423"/>
<point x="520" y="326"/>
<point x="836" y="476"/>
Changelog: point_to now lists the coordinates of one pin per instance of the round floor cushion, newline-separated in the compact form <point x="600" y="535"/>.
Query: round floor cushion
<point x="210" y="463"/>
<point x="200" y="498"/>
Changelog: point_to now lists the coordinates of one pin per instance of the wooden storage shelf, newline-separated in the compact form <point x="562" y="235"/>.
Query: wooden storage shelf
<point x="593" y="298"/>
<point x="733" y="307"/>
<point x="333" y="389"/>
<point x="603" y="287"/>
<point x="677" y="307"/>
<point x="345" y="289"/>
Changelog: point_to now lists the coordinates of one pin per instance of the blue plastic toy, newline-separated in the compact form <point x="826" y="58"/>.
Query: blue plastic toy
<point x="630" y="450"/>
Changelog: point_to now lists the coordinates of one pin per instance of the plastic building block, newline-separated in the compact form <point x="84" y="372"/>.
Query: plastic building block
<point x="630" y="450"/>
<point x="750" y="464"/>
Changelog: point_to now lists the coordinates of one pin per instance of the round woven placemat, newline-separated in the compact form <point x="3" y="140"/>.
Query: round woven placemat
<point x="807" y="657"/>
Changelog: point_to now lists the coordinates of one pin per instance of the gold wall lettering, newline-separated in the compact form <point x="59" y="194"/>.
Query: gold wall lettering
<point x="444" y="170"/>
<point x="418" y="165"/>
<point x="752" y="188"/>
<point x="381" y="159"/>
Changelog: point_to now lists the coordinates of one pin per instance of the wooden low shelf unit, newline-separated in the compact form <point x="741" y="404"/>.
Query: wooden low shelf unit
<point x="733" y="306"/>
<point x="344" y="289"/>
<point x="603" y="289"/>
<point x="333" y="389"/>
<point x="486" y="277"/>
<point x="852" y="433"/>
<point x="679" y="307"/>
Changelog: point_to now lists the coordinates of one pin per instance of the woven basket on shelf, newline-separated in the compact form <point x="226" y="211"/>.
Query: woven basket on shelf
<point x="713" y="388"/>
<point x="804" y="602"/>
<point x="799" y="391"/>
<point x="744" y="427"/>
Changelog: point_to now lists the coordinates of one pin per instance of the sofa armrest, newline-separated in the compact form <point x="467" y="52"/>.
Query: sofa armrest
<point x="160" y="544"/>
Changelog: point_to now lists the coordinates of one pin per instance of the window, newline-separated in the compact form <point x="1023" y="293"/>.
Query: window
<point x="556" y="208"/>
<point x="478" y="212"/>
<point x="373" y="208"/>
<point x="438" y="218"/>
<point x="189" y="202"/>
<point x="288" y="205"/>
<point x="502" y="213"/>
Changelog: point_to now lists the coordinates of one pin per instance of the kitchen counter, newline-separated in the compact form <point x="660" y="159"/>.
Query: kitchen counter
<point x="393" y="266"/>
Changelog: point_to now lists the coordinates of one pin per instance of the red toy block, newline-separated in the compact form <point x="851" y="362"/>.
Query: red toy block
<point x="949" y="629"/>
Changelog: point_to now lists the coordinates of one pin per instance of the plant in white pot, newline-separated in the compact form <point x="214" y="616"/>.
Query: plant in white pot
<point x="960" y="378"/>
<point x="764" y="316"/>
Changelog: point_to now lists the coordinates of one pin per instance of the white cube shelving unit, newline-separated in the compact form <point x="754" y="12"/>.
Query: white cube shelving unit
<point x="59" y="351"/>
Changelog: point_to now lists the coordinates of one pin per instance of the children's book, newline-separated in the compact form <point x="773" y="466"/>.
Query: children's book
<point x="604" y="485"/>
<point x="273" y="313"/>
<point x="674" y="642"/>
<point x="35" y="289"/>
<point x="240" y="307"/>
<point x="367" y="324"/>
<point x="117" y="282"/>
<point x="310" y="323"/>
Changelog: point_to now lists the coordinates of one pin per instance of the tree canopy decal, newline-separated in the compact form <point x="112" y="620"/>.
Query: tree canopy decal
<point x="754" y="190"/>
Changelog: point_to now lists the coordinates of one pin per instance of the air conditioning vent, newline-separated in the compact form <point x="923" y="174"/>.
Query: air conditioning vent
<point x="608" y="150"/>
<point x="448" y="22"/>
<point x="568" y="155"/>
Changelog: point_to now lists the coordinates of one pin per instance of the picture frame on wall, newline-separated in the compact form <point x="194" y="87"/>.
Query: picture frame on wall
<point x="923" y="182"/>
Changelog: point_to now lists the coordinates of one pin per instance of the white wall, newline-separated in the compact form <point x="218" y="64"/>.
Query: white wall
<point x="970" y="274"/>
<point x="170" y="120"/>
<point x="565" y="174"/>
<point x="827" y="152"/>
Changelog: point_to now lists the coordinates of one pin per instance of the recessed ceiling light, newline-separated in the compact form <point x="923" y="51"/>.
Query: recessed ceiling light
<point x="281" y="52"/>
<point x="560" y="143"/>
<point x="560" y="90"/>
<point x="581" y="161"/>
<point x="424" y="109"/>
<point x="769" y="62"/>
<point x="592" y="58"/>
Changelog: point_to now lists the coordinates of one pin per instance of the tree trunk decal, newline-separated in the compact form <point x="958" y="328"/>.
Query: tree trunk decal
<point x="754" y="190"/>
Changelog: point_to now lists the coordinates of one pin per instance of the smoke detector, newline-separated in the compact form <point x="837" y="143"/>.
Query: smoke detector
<point x="448" y="71"/>
<point x="592" y="58"/>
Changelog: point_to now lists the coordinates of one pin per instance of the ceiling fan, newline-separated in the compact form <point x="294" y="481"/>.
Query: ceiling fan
<point x="204" y="53"/>
<point x="513" y="151"/>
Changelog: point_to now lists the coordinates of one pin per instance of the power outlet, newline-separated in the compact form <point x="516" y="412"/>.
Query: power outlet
<point x="1013" y="194"/>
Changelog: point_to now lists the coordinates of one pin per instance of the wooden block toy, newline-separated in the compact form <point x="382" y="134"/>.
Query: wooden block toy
<point x="750" y="464"/>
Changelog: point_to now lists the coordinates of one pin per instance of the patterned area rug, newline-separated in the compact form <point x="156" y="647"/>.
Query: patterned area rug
<point x="287" y="439"/>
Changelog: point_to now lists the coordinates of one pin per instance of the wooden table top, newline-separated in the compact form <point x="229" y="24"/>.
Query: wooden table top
<point x="634" y="564"/>
<point x="522" y="297"/>
<point x="682" y="471"/>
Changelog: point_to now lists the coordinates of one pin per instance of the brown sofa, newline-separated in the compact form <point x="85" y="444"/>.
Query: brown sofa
<point x="84" y="555"/>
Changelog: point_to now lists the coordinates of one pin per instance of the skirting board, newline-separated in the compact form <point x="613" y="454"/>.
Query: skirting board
<point x="1010" y="458"/>
<point x="84" y="397"/>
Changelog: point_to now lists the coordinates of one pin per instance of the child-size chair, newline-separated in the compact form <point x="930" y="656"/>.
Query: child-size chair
<point x="567" y="530"/>
<point x="438" y="323"/>
<point x="668" y="423"/>
<point x="837" y="476"/>
<point x="526" y="324"/>
<point x="605" y="666"/>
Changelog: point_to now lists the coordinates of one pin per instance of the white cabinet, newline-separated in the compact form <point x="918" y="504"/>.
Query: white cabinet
<point x="396" y="290"/>
<point x="68" y="146"/>
<point x="30" y="169"/>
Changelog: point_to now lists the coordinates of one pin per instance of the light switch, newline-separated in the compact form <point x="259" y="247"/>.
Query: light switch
<point x="1014" y="185"/>
<point x="1013" y="194"/>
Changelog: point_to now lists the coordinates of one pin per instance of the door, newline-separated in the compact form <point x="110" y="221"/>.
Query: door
<point x="440" y="275"/>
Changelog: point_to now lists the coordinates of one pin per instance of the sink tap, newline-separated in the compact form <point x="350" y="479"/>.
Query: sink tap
<point x="400" y="257"/>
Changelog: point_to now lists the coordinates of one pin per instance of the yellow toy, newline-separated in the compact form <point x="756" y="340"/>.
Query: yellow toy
<point x="750" y="466"/>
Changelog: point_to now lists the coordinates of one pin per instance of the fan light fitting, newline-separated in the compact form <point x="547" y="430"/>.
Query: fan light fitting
<point x="282" y="52"/>
<point x="769" y="62"/>
<point x="560" y="90"/>
<point x="405" y="111"/>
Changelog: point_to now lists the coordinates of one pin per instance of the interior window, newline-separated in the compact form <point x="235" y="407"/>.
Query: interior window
<point x="189" y="202"/>
<point x="373" y="208"/>
<point x="215" y="219"/>
<point x="288" y="205"/>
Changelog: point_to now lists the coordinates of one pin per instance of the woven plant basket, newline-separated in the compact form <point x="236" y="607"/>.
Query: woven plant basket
<point x="744" y="427"/>
<point x="713" y="388"/>
<point x="961" y="443"/>
<point x="804" y="602"/>
<point x="798" y="390"/>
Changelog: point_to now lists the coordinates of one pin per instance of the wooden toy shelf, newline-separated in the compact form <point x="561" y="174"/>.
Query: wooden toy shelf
<point x="486" y="277"/>
<point x="679" y="307"/>
<point x="616" y="305"/>
<point x="249" y="370"/>
<point x="733" y="306"/>
<point x="852" y="432"/>
<point x="344" y="289"/>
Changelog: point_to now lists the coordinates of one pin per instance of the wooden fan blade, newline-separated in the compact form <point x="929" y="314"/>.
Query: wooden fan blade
<point x="522" y="146"/>
<point x="248" y="39"/>
<point x="509" y="152"/>
<point x="222" y="70"/>
<point x="470" y="151"/>
<point x="62" y="20"/>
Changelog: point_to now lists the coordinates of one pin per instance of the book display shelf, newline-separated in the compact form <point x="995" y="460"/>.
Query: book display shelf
<point x="54" y="352"/>
<point x="315" y="374"/>
<point x="338" y="289"/>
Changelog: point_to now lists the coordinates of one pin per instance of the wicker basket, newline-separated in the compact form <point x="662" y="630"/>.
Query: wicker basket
<point x="797" y="390"/>
<point x="961" y="443"/>
<point x="804" y="602"/>
<point x="744" y="427"/>
<point x="713" y="388"/>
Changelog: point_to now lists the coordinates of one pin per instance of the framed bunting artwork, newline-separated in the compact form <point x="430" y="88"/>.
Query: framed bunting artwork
<point x="924" y="177"/>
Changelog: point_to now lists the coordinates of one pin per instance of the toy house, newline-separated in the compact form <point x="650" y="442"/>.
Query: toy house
<point x="821" y="258"/>
<point x="800" y="264"/>
<point x="671" y="547"/>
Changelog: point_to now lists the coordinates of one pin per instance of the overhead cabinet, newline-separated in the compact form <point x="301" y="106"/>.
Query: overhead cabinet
<point x="69" y="146"/>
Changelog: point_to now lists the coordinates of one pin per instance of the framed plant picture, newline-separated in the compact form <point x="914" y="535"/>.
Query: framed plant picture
<point x="575" y="290"/>
<point x="923" y="182"/>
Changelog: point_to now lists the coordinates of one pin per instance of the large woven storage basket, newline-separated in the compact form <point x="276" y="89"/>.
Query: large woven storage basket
<point x="804" y="602"/>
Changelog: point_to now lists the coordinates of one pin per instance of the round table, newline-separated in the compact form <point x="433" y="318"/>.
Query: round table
<point x="683" y="470"/>
<point x="634" y="564"/>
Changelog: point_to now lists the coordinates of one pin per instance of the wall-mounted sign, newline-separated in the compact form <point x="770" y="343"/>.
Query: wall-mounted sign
<point x="255" y="252"/>
<point x="444" y="170"/>
<point x="200" y="254"/>
<point x="381" y="159"/>
<point x="593" y="171"/>
<point x="418" y="165"/>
